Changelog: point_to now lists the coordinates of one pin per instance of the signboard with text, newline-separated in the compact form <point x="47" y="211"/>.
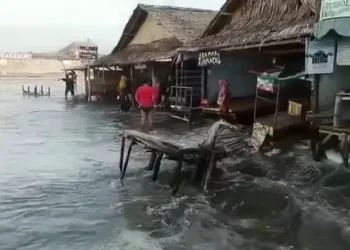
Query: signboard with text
<point x="209" y="58"/>
<point x="331" y="9"/>
<point x="87" y="52"/>
<point x="15" y="56"/>
<point x="259" y="135"/>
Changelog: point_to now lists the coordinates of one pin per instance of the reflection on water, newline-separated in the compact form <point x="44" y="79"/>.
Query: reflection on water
<point x="60" y="189"/>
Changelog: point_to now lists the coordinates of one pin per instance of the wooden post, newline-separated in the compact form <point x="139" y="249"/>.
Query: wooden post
<point x="23" y="91"/>
<point x="156" y="166"/>
<point x="210" y="170"/>
<point x="204" y="82"/>
<point x="127" y="160"/>
<point x="152" y="159"/>
<point x="121" y="158"/>
<point x="86" y="84"/>
<point x="256" y="102"/>
<point x="315" y="94"/>
<point x="277" y="104"/>
<point x="28" y="89"/>
<point x="41" y="90"/>
<point x="337" y="112"/>
<point x="345" y="148"/>
<point x="89" y="83"/>
<point x="49" y="91"/>
<point x="35" y="91"/>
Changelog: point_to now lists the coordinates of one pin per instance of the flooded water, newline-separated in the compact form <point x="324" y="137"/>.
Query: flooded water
<point x="60" y="188"/>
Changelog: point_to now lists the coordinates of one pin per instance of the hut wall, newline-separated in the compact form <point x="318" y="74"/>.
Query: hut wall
<point x="236" y="71"/>
<point x="150" y="31"/>
<point x="162" y="70"/>
<point x="331" y="84"/>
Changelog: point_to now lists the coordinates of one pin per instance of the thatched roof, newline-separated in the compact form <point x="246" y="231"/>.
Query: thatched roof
<point x="138" y="53"/>
<point x="183" y="23"/>
<point x="244" y="23"/>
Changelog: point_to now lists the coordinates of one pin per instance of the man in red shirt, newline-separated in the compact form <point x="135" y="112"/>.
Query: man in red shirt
<point x="145" y="97"/>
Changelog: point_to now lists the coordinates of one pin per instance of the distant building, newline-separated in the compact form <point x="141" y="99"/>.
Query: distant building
<point x="85" y="50"/>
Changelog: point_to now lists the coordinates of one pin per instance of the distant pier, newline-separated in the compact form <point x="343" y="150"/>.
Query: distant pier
<point x="36" y="93"/>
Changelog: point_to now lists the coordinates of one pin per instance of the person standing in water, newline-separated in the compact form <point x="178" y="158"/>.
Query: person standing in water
<point x="145" y="97"/>
<point x="69" y="85"/>
<point x="123" y="94"/>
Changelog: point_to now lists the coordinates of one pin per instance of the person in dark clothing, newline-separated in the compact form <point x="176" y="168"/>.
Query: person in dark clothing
<point x="123" y="94"/>
<point x="69" y="85"/>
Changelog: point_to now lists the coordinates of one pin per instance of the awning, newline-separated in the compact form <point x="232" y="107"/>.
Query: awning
<point x="341" y="26"/>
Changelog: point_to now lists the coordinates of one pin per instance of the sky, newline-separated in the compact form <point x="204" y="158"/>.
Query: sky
<point x="49" y="25"/>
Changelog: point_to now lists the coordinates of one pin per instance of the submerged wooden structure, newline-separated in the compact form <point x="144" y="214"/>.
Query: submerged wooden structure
<point x="36" y="93"/>
<point x="327" y="126"/>
<point x="204" y="156"/>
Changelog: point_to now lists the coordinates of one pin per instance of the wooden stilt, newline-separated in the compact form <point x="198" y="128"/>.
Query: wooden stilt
<point x="121" y="158"/>
<point x="156" y="166"/>
<point x="315" y="143"/>
<point x="35" y="91"/>
<point x="198" y="171"/>
<point x="177" y="172"/>
<point x="152" y="159"/>
<point x="49" y="91"/>
<point x="28" y="89"/>
<point x="210" y="170"/>
<point x="42" y="90"/>
<point x="337" y="112"/>
<point x="127" y="160"/>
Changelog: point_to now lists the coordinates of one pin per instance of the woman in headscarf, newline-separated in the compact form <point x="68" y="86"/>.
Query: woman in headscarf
<point x="224" y="98"/>
<point x="123" y="98"/>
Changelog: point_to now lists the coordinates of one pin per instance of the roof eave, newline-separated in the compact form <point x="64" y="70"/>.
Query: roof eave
<point x="130" y="26"/>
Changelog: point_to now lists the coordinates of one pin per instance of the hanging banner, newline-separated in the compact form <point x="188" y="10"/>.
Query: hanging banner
<point x="259" y="135"/>
<point x="209" y="58"/>
<point x="267" y="82"/>
<point x="331" y="9"/>
<point x="319" y="57"/>
<point x="343" y="51"/>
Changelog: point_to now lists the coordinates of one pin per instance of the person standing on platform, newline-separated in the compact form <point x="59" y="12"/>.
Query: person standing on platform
<point x="145" y="97"/>
<point x="69" y="85"/>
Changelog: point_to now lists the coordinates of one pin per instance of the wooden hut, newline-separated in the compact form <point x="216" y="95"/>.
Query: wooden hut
<point x="251" y="37"/>
<point x="148" y="44"/>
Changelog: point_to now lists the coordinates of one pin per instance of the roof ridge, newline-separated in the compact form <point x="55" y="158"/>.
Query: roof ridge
<point x="146" y="6"/>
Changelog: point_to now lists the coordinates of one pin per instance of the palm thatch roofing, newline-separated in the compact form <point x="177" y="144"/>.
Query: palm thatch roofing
<point x="183" y="25"/>
<point x="253" y="23"/>
<point x="138" y="53"/>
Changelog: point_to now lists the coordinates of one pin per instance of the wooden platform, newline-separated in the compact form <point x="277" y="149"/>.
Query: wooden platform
<point x="284" y="123"/>
<point x="240" y="106"/>
<point x="184" y="113"/>
<point x="160" y="147"/>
